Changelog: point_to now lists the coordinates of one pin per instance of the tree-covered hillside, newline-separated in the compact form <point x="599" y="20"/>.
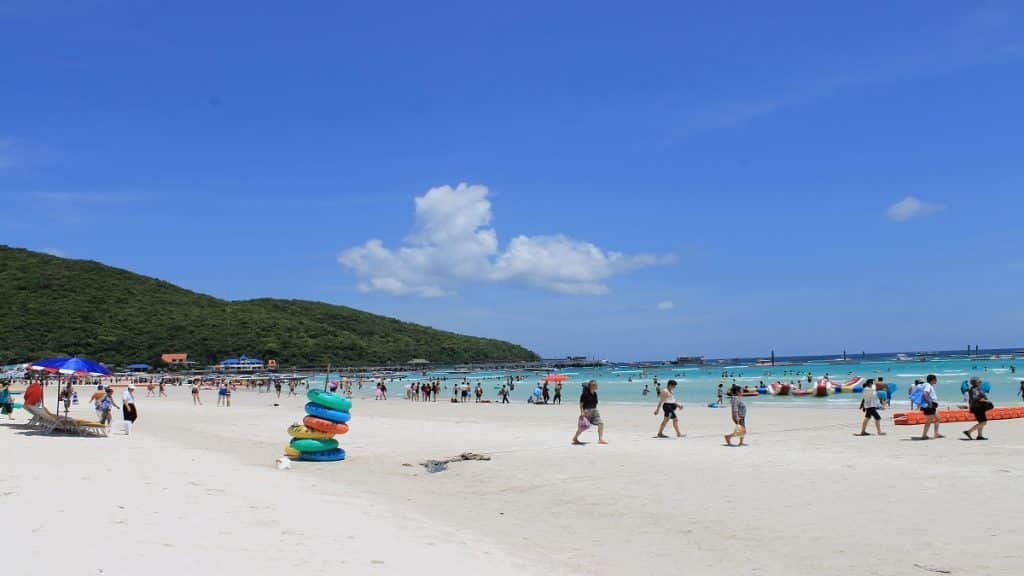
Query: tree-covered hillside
<point x="52" y="306"/>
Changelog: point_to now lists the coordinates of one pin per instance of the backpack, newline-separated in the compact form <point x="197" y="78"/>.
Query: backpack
<point x="105" y="404"/>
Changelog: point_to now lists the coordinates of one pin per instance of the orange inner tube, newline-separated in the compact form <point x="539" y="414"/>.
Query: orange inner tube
<point x="321" y="425"/>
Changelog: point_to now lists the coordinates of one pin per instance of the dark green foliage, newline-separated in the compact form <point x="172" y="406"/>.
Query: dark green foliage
<point x="51" y="306"/>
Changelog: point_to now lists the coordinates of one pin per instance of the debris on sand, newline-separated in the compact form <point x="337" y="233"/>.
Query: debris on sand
<point x="434" y="466"/>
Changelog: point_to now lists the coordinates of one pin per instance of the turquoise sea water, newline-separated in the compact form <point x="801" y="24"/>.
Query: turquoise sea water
<point x="698" y="384"/>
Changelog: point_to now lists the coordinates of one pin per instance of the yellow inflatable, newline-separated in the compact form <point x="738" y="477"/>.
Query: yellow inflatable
<point x="298" y="431"/>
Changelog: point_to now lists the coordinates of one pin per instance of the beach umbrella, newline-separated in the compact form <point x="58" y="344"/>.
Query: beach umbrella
<point x="69" y="365"/>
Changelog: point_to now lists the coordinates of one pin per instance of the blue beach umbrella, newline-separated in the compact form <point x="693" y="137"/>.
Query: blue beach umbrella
<point x="69" y="365"/>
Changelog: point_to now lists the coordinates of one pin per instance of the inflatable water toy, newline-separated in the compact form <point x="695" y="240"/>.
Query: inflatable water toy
<point x="312" y="445"/>
<point x="957" y="415"/>
<point x="321" y="425"/>
<point x="298" y="431"/>
<point x="802" y="392"/>
<point x="780" y="389"/>
<point x="966" y="385"/>
<point x="319" y="411"/>
<point x="329" y="401"/>
<point x="324" y="455"/>
<point x="855" y="385"/>
<point x="313" y="440"/>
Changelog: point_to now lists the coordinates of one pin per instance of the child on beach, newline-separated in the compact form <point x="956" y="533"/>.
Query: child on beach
<point x="870" y="404"/>
<point x="6" y="406"/>
<point x="589" y="412"/>
<point x="667" y="402"/>
<point x="739" y="416"/>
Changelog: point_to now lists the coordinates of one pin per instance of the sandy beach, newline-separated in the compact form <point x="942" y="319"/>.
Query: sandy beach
<point x="195" y="489"/>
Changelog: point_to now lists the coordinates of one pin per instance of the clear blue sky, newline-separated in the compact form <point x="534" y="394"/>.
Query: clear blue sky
<point x="679" y="178"/>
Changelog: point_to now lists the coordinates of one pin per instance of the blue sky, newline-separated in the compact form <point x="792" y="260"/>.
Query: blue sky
<point x="636" y="183"/>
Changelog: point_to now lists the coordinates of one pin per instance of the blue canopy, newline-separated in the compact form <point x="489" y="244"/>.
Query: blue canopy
<point x="139" y="366"/>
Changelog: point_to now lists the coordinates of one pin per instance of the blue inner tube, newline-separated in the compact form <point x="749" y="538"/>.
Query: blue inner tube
<point x="324" y="456"/>
<point x="318" y="411"/>
<point x="966" y="385"/>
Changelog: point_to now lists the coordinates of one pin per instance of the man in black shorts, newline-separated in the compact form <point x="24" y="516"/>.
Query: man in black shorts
<point x="667" y="402"/>
<point x="929" y="405"/>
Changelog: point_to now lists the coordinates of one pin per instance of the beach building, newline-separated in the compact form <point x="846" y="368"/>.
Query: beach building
<point x="241" y="364"/>
<point x="175" y="359"/>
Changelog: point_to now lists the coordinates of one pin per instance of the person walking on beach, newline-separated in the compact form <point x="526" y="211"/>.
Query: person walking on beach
<point x="739" y="416"/>
<point x="929" y="406"/>
<point x="222" y="393"/>
<point x="721" y="394"/>
<point x="65" y="396"/>
<point x="95" y="400"/>
<point x="558" y="393"/>
<point x="590" y="413"/>
<point x="869" y="404"/>
<point x="277" y="387"/>
<point x="150" y="389"/>
<point x="479" y="392"/>
<point x="1021" y="391"/>
<point x="128" y="410"/>
<point x="465" y="391"/>
<point x="163" y="388"/>
<point x="196" y="401"/>
<point x="667" y="402"/>
<point x="504" y="394"/>
<point x="105" y="405"/>
<point x="979" y="404"/>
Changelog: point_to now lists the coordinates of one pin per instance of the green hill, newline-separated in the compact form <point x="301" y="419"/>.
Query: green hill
<point x="51" y="306"/>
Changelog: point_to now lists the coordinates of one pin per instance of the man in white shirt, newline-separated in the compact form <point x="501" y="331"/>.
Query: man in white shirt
<point x="930" y="407"/>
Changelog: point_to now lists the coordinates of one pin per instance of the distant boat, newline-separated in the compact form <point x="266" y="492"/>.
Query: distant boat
<point x="761" y="362"/>
<point x="681" y="360"/>
<point x="904" y="358"/>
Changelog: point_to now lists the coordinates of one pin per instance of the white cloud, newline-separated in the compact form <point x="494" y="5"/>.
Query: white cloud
<point x="453" y="244"/>
<point x="911" y="207"/>
<point x="666" y="305"/>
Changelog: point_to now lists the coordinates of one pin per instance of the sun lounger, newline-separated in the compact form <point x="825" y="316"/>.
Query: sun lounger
<point x="49" y="423"/>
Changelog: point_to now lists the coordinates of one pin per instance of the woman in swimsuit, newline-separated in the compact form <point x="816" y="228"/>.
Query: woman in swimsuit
<point x="667" y="402"/>
<point x="195" y="394"/>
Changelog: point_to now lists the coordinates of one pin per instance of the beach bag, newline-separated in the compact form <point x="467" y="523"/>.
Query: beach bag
<point x="917" y="396"/>
<point x="583" y="423"/>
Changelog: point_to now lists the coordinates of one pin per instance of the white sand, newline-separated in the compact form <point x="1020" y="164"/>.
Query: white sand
<point x="195" y="489"/>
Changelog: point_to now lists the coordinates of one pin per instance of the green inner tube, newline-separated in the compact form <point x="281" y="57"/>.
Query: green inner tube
<point x="312" y="445"/>
<point x="328" y="400"/>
